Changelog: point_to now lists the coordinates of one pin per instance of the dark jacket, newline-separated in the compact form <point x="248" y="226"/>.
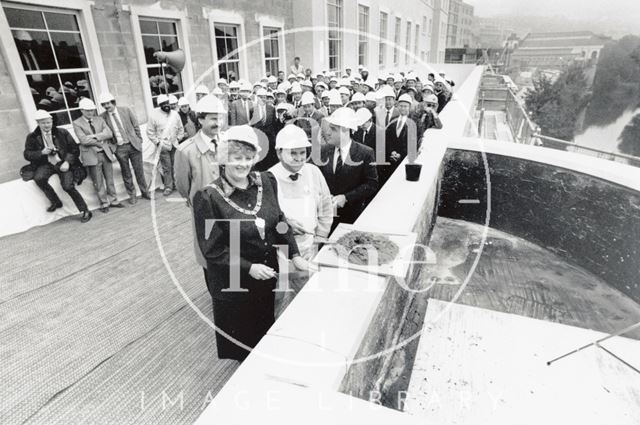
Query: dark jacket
<point x="130" y="126"/>
<point x="370" y="138"/>
<point x="269" y="126"/>
<point x="358" y="183"/>
<point x="68" y="149"/>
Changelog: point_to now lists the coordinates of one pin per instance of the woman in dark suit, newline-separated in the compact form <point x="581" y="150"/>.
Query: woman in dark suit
<point x="242" y="274"/>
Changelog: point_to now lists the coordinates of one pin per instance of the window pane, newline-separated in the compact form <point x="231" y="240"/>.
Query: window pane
<point x="148" y="27"/>
<point x="76" y="86"/>
<point x="20" y="18"/>
<point x="61" y="21"/>
<point x="34" y="49"/>
<point x="168" y="28"/>
<point x="221" y="47"/>
<point x="46" y="92"/>
<point x="174" y="81"/>
<point x="151" y="45"/>
<point x="69" y="50"/>
<point x="232" y="48"/>
<point x="156" y="81"/>
<point x="169" y="43"/>
<point x="274" y="48"/>
<point x="62" y="118"/>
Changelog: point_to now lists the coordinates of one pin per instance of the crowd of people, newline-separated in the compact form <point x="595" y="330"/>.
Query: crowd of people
<point x="273" y="166"/>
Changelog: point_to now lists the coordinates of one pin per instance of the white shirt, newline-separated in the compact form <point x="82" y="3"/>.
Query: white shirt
<point x="306" y="200"/>
<point x="116" y="131"/>
<point x="344" y="152"/>
<point x="402" y="119"/>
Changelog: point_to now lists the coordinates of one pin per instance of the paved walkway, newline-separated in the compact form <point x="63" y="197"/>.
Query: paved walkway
<point x="94" y="331"/>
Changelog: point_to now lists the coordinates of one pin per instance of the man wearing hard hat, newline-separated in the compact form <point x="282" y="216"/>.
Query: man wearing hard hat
<point x="347" y="167"/>
<point x="97" y="153"/>
<point x="51" y="150"/>
<point x="188" y="118"/>
<point x="196" y="163"/>
<point x="126" y="132"/>
<point x="241" y="109"/>
<point x="201" y="91"/>
<point x="304" y="197"/>
<point x="165" y="130"/>
<point x="401" y="138"/>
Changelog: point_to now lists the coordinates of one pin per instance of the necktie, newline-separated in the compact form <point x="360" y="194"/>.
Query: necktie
<point x="364" y="136"/>
<point x="399" y="126"/>
<point x="246" y="107"/>
<point x="338" y="161"/>
<point x="386" y="121"/>
<point x="93" y="129"/>
<point x="118" y="124"/>
<point x="294" y="176"/>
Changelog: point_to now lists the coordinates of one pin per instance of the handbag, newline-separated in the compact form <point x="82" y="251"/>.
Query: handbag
<point x="28" y="172"/>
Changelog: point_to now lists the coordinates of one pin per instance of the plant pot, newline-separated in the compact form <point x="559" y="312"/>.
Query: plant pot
<point x="413" y="172"/>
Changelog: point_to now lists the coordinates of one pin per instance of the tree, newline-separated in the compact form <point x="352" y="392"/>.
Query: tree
<point x="630" y="137"/>
<point x="555" y="106"/>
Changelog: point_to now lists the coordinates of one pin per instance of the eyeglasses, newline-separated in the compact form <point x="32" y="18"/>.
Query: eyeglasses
<point x="431" y="105"/>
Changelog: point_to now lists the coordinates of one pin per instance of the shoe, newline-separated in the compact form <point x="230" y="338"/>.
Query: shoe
<point x="146" y="195"/>
<point x="133" y="199"/>
<point x="117" y="205"/>
<point x="167" y="192"/>
<point x="86" y="216"/>
<point x="104" y="209"/>
<point x="54" y="207"/>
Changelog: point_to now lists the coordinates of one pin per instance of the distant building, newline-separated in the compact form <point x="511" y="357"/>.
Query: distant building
<point x="490" y="32"/>
<point x="440" y="26"/>
<point x="556" y="50"/>
<point x="460" y="28"/>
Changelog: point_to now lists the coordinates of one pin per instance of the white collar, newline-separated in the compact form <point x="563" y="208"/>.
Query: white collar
<point x="344" y="149"/>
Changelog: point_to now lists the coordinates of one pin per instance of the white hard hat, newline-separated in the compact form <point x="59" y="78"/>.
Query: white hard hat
<point x="300" y="75"/>
<point x="411" y="76"/>
<point x="258" y="84"/>
<point x="386" y="91"/>
<point x="41" y="114"/>
<point x="183" y="101"/>
<point x="358" y="97"/>
<point x="405" y="98"/>
<point x="162" y="98"/>
<point x="364" y="69"/>
<point x="344" y="90"/>
<point x="210" y="105"/>
<point x="292" y="137"/>
<point x="431" y="98"/>
<point x="217" y="91"/>
<point x="398" y="78"/>
<point x="105" y="97"/>
<point x="369" y="84"/>
<point x="86" y="104"/>
<point x="172" y="99"/>
<point x="285" y="86"/>
<point x="344" y="82"/>
<point x="296" y="88"/>
<point x="284" y="106"/>
<point x="202" y="89"/>
<point x="261" y="92"/>
<point x="308" y="98"/>
<point x="243" y="133"/>
<point x="334" y="98"/>
<point x="291" y="77"/>
<point x="234" y="85"/>
<point x="245" y="86"/>
<point x="223" y="81"/>
<point x="357" y="76"/>
<point x="321" y="84"/>
<point x="306" y="83"/>
<point x="371" y="96"/>
<point x="343" y="117"/>
<point x="272" y="79"/>
<point x="362" y="116"/>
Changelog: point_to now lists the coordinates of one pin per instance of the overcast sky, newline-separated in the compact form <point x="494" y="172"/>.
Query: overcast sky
<point x="616" y="10"/>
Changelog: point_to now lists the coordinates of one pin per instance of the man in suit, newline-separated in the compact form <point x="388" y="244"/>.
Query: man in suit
<point x="366" y="133"/>
<point x="401" y="138"/>
<point x="241" y="109"/>
<point x="308" y="117"/>
<point x="348" y="168"/>
<point x="97" y="153"/>
<point x="264" y="119"/>
<point x="53" y="151"/>
<point x="126" y="132"/>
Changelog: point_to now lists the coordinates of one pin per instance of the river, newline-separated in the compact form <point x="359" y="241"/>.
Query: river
<point x="606" y="138"/>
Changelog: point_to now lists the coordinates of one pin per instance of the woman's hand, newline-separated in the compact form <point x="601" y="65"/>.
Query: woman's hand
<point x="262" y="272"/>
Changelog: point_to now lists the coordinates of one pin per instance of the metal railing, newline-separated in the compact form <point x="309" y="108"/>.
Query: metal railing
<point x="522" y="128"/>
<point x="553" y="143"/>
